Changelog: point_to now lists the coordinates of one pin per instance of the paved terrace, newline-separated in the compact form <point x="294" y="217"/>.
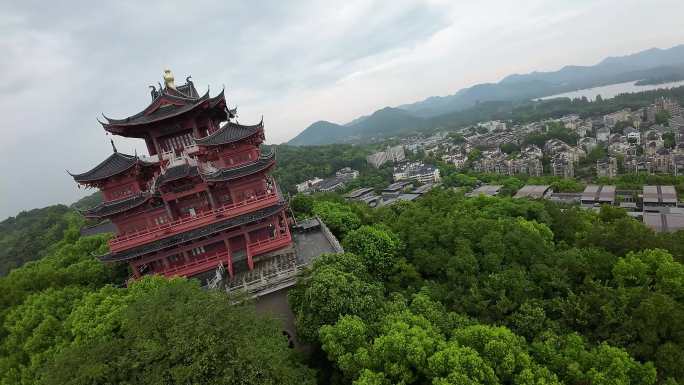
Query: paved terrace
<point x="279" y="270"/>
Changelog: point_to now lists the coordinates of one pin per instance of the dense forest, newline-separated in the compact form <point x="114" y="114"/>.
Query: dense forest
<point x="65" y="319"/>
<point x="29" y="235"/>
<point x="454" y="290"/>
<point x="445" y="290"/>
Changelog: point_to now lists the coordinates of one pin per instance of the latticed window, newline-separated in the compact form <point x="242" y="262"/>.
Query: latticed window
<point x="177" y="142"/>
<point x="160" y="220"/>
<point x="121" y="192"/>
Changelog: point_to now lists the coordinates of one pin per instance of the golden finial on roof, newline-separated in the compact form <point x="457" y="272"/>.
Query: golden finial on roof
<point x="168" y="79"/>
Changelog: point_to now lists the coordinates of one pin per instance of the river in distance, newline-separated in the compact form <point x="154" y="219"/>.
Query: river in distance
<point x="613" y="90"/>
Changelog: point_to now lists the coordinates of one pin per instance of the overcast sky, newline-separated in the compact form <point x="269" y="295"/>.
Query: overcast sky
<point x="65" y="62"/>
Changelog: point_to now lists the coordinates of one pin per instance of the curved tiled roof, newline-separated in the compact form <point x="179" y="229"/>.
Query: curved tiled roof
<point x="105" y="209"/>
<point x="188" y="89"/>
<point x="163" y="112"/>
<point x="179" y="105"/>
<point x="224" y="174"/>
<point x="229" y="133"/>
<point x="113" y="165"/>
<point x="177" y="172"/>
<point x="193" y="234"/>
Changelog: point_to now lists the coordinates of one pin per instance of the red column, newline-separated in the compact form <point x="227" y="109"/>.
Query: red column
<point x="250" y="262"/>
<point x="186" y="257"/>
<point x="157" y="147"/>
<point x="195" y="131"/>
<point x="281" y="219"/>
<point x="230" y="257"/>
<point x="230" y="264"/>
<point x="287" y="229"/>
<point x="212" y="203"/>
<point x="168" y="211"/>
<point x="165" y="262"/>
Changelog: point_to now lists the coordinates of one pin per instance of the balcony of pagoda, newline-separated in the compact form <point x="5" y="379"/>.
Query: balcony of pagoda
<point x="179" y="156"/>
<point x="204" y="262"/>
<point x="128" y="240"/>
<point x="269" y="244"/>
<point x="200" y="264"/>
<point x="172" y="193"/>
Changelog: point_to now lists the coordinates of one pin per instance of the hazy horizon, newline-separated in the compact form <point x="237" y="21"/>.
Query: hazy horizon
<point x="294" y="63"/>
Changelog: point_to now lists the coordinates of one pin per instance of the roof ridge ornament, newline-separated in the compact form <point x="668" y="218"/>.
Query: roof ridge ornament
<point x="153" y="92"/>
<point x="113" y="146"/>
<point x="169" y="80"/>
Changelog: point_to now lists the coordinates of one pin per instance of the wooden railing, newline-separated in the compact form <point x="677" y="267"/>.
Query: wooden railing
<point x="279" y="271"/>
<point x="127" y="240"/>
<point x="269" y="244"/>
<point x="198" y="265"/>
<point x="210" y="261"/>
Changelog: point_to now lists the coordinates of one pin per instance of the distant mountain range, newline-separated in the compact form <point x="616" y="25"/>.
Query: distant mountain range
<point x="653" y="63"/>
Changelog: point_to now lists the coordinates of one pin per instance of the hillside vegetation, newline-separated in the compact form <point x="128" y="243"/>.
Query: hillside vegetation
<point x="454" y="290"/>
<point x="444" y="290"/>
<point x="297" y="164"/>
<point x="65" y="320"/>
<point x="29" y="235"/>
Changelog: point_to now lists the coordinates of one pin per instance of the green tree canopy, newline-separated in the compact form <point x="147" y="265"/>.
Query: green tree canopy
<point x="179" y="334"/>
<point x="378" y="247"/>
<point x="336" y="285"/>
<point x="339" y="217"/>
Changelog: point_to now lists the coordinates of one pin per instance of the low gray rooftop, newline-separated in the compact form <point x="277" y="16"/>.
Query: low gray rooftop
<point x="488" y="189"/>
<point x="664" y="222"/>
<point x="532" y="191"/>
<point x="660" y="194"/>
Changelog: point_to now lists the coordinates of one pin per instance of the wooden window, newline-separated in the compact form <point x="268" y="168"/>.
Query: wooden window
<point x="120" y="192"/>
<point x="160" y="220"/>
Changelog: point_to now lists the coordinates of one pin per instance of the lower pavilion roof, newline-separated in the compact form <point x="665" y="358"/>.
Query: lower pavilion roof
<point x="230" y="133"/>
<point x="224" y="174"/>
<point x="187" y="236"/>
<point x="177" y="172"/>
<point x="106" y="209"/>
<point x="113" y="165"/>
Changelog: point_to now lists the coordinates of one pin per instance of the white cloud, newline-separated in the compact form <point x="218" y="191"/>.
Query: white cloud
<point x="295" y="62"/>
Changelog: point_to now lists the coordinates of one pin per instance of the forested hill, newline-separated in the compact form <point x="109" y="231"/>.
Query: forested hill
<point x="31" y="234"/>
<point x="382" y="123"/>
<point x="438" y="111"/>
<point x="27" y="236"/>
<point x="642" y="65"/>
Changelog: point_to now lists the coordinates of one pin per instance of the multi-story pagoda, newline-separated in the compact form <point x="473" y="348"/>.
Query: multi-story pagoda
<point x="201" y="199"/>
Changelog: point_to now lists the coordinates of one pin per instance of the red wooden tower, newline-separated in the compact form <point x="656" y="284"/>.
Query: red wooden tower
<point x="203" y="196"/>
